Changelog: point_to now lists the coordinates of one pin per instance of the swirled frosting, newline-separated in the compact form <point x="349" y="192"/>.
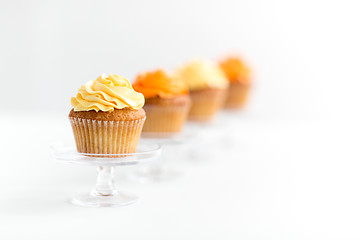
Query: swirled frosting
<point x="200" y="74"/>
<point x="236" y="70"/>
<point x="159" y="84"/>
<point x="107" y="93"/>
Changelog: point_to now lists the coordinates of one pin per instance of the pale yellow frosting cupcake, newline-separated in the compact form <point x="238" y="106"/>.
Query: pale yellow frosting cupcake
<point x="107" y="116"/>
<point x="207" y="84"/>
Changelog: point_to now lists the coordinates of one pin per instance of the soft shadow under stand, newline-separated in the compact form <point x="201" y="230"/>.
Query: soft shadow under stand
<point x="105" y="193"/>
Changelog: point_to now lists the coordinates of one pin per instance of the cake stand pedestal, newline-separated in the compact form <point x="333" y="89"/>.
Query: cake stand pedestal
<point x="105" y="194"/>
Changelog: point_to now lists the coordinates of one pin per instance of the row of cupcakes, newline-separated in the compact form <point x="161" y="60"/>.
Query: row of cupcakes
<point x="109" y="113"/>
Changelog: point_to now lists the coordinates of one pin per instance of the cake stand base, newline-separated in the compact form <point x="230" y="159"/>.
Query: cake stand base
<point x="117" y="199"/>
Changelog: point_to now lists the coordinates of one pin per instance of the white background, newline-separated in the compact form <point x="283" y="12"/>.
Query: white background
<point x="289" y="168"/>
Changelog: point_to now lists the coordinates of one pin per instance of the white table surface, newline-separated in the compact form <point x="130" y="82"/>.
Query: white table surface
<point x="275" y="178"/>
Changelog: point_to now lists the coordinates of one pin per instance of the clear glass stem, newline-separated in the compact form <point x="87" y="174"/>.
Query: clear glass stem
<point x="105" y="182"/>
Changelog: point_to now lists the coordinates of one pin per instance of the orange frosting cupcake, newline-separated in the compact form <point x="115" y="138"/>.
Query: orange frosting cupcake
<point x="236" y="70"/>
<point x="167" y="103"/>
<point x="159" y="84"/>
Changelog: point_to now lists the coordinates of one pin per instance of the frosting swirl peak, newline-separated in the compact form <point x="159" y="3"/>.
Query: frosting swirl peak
<point x="107" y="93"/>
<point x="199" y="74"/>
<point x="236" y="70"/>
<point x="159" y="84"/>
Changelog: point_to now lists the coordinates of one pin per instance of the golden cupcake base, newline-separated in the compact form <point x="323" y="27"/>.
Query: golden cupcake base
<point x="106" y="137"/>
<point x="166" y="116"/>
<point x="206" y="103"/>
<point x="115" y="132"/>
<point x="237" y="95"/>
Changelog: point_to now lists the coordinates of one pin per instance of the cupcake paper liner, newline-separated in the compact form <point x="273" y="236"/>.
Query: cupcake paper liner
<point x="237" y="95"/>
<point x="106" y="137"/>
<point x="164" y="120"/>
<point x="206" y="104"/>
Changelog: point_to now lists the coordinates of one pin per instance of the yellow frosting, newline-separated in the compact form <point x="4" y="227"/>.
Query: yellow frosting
<point x="201" y="74"/>
<point x="107" y="93"/>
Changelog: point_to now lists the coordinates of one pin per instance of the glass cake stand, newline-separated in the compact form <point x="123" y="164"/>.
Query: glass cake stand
<point x="159" y="171"/>
<point x="105" y="193"/>
<point x="230" y="121"/>
<point x="201" y="151"/>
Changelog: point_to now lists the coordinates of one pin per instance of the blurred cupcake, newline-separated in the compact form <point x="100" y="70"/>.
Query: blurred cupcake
<point x="107" y="116"/>
<point x="167" y="102"/>
<point x="207" y="84"/>
<point x="239" y="77"/>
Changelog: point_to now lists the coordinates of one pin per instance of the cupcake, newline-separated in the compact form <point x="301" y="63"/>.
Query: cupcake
<point x="167" y="102"/>
<point x="107" y="116"/>
<point x="238" y="75"/>
<point x="208" y="86"/>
